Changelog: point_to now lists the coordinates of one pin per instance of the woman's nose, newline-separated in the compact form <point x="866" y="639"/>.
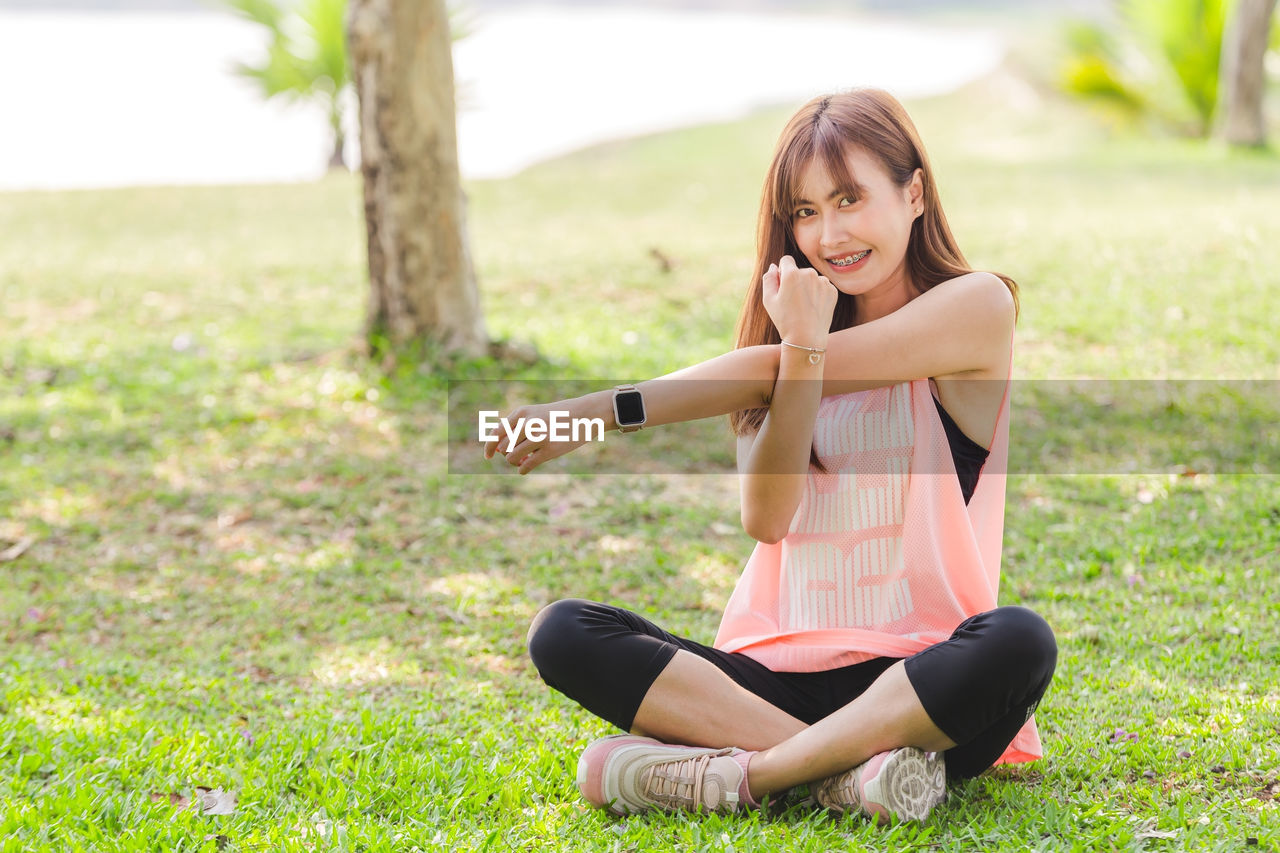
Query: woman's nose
<point x="833" y="232"/>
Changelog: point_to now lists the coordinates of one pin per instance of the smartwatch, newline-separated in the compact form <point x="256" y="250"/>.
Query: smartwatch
<point x="628" y="408"/>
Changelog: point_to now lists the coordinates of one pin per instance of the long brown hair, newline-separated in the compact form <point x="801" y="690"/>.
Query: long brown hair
<point x="825" y="129"/>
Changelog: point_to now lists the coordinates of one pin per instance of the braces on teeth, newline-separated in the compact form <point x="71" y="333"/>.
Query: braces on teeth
<point x="853" y="260"/>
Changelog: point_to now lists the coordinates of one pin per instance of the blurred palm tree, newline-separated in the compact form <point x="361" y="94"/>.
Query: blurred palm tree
<point x="306" y="56"/>
<point x="1158" y="57"/>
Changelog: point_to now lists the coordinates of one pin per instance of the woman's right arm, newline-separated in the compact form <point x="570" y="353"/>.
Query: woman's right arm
<point x="774" y="462"/>
<point x="740" y="379"/>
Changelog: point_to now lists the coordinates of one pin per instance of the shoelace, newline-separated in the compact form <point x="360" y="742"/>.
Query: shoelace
<point x="842" y="790"/>
<point x="669" y="783"/>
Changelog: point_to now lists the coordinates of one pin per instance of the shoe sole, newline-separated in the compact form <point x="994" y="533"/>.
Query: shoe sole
<point x="908" y="785"/>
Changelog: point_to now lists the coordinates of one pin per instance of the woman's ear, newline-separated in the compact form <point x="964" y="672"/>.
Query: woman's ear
<point x="915" y="192"/>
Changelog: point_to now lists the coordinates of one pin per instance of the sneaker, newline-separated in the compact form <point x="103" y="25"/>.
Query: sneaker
<point x="902" y="783"/>
<point x="629" y="774"/>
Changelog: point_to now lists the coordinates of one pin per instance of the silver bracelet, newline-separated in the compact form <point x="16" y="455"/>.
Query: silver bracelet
<point x="815" y="354"/>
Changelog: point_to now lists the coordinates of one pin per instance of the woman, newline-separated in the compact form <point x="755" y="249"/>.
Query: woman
<point x="862" y="651"/>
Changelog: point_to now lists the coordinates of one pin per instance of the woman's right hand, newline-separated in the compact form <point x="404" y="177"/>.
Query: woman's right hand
<point x="799" y="302"/>
<point x="526" y="454"/>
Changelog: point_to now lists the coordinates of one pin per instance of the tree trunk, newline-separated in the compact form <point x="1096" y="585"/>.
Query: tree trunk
<point x="423" y="288"/>
<point x="1243" y="75"/>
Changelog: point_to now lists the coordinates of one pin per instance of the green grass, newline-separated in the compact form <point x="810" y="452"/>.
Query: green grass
<point x="252" y="570"/>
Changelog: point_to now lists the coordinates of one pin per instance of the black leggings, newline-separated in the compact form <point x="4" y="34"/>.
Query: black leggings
<point x="979" y="686"/>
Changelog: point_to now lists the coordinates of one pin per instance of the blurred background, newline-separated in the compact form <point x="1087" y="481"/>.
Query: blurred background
<point x="130" y="92"/>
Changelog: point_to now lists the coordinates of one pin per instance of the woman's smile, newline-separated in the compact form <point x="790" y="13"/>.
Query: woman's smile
<point x="846" y="262"/>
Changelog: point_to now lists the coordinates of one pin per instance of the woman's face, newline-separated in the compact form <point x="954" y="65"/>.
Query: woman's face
<point x="856" y="236"/>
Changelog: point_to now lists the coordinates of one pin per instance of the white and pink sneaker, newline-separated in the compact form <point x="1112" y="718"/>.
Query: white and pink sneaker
<point x="902" y="783"/>
<point x="628" y="774"/>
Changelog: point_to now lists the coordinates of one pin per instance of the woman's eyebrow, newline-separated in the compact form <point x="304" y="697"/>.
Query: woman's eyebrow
<point x="856" y="189"/>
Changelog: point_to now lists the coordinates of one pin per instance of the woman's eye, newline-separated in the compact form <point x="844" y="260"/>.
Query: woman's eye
<point x="804" y="213"/>
<point x="847" y="201"/>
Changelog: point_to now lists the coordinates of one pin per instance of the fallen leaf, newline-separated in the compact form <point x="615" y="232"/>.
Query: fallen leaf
<point x="16" y="550"/>
<point x="232" y="517"/>
<point x="1157" y="833"/>
<point x="665" y="264"/>
<point x="215" y="800"/>
<point x="172" y="798"/>
<point x="42" y="375"/>
<point x="616" y="544"/>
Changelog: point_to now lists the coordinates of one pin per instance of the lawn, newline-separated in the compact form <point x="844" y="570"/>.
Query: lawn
<point x="236" y="556"/>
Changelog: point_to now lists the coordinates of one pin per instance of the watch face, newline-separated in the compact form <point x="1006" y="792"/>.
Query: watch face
<point x="630" y="407"/>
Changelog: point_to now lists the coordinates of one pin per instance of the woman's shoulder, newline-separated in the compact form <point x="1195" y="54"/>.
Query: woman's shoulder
<point x="985" y="292"/>
<point x="976" y="305"/>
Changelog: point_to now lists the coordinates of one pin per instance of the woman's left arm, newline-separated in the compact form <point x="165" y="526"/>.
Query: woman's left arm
<point x="961" y="326"/>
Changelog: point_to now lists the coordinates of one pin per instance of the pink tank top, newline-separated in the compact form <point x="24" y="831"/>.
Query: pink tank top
<point x="883" y="557"/>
